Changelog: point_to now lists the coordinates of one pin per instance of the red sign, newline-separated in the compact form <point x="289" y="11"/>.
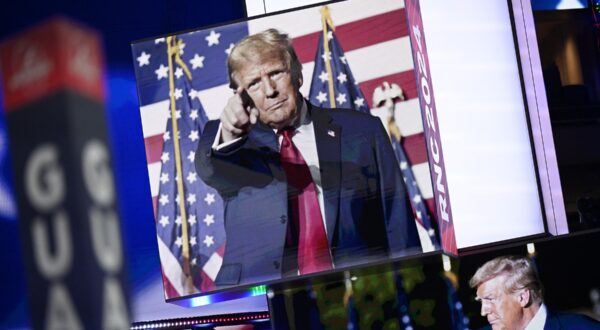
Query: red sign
<point x="54" y="55"/>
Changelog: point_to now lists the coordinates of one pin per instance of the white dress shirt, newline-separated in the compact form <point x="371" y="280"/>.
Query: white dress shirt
<point x="539" y="319"/>
<point x="304" y="139"/>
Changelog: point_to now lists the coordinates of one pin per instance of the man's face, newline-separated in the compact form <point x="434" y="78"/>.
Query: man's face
<point x="269" y="84"/>
<point x="502" y="309"/>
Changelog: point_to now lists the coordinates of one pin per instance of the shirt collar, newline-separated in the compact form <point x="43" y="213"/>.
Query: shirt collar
<point x="304" y="118"/>
<point x="539" y="319"/>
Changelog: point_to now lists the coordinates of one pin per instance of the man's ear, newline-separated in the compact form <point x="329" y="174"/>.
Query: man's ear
<point x="524" y="297"/>
<point x="300" y="80"/>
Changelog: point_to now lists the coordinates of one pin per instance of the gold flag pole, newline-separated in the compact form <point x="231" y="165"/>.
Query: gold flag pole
<point x="393" y="129"/>
<point x="326" y="19"/>
<point x="348" y="284"/>
<point x="173" y="50"/>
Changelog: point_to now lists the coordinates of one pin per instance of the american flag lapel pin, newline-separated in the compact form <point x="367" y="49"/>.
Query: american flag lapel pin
<point x="331" y="133"/>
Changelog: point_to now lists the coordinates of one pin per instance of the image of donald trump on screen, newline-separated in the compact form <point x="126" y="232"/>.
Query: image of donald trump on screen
<point x="305" y="188"/>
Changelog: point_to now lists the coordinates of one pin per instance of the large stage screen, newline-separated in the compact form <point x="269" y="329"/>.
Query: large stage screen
<point x="221" y="220"/>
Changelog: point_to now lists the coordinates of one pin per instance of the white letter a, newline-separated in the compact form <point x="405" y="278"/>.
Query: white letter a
<point x="60" y="313"/>
<point x="115" y="313"/>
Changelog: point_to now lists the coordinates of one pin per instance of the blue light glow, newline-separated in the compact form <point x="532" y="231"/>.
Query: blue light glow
<point x="558" y="4"/>
<point x="260" y="290"/>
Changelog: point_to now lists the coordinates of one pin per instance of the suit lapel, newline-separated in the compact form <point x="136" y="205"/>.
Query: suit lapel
<point x="328" y="139"/>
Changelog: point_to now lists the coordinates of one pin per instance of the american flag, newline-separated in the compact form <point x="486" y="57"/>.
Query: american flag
<point x="203" y="206"/>
<point x="376" y="41"/>
<point x="416" y="200"/>
<point x="332" y="84"/>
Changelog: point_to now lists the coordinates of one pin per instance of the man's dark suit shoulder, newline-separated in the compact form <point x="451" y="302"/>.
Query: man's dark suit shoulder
<point x="566" y="321"/>
<point x="556" y="321"/>
<point x="353" y="116"/>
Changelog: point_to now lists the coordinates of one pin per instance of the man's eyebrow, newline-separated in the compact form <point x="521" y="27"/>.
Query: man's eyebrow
<point x="278" y="69"/>
<point x="250" y="82"/>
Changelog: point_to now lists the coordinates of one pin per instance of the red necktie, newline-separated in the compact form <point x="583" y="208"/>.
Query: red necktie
<point x="304" y="211"/>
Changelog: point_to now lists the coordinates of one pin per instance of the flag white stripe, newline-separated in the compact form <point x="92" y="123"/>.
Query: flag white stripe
<point x="426" y="243"/>
<point x="380" y="60"/>
<point x="421" y="173"/>
<point x="154" y="175"/>
<point x="214" y="100"/>
<point x="154" y="118"/>
<point x="364" y="61"/>
<point x="296" y="24"/>
<point x="408" y="117"/>
<point x="212" y="266"/>
<point x="407" y="114"/>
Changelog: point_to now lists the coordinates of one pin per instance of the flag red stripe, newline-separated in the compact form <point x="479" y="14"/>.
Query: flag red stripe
<point x="415" y="148"/>
<point x="206" y="284"/>
<point x="154" y="205"/>
<point x="154" y="146"/>
<point x="221" y="249"/>
<point x="357" y="34"/>
<point x="406" y="81"/>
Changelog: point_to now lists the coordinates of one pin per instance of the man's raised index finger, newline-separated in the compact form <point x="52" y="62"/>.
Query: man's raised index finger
<point x="238" y="94"/>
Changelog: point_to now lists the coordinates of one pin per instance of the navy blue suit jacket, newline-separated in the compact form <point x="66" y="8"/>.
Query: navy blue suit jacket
<point x="567" y="321"/>
<point x="368" y="216"/>
<point x="560" y="321"/>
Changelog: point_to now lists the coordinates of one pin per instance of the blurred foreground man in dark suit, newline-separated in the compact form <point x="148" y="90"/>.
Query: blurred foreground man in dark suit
<point x="305" y="189"/>
<point x="510" y="293"/>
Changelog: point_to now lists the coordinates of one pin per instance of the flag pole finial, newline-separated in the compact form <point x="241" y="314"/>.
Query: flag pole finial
<point x="326" y="15"/>
<point x="175" y="51"/>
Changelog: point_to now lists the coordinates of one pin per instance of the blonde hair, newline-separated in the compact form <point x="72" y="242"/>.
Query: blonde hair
<point x="268" y="44"/>
<point x="519" y="271"/>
